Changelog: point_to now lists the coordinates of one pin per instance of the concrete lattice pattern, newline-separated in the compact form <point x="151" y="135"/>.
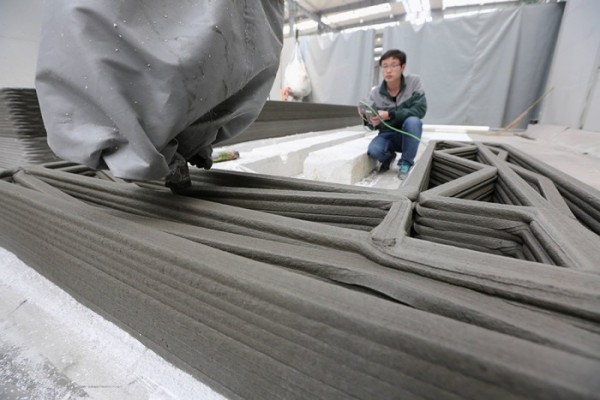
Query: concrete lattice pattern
<point x="479" y="278"/>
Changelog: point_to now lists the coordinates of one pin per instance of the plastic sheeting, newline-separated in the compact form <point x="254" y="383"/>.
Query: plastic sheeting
<point x="575" y="73"/>
<point x="127" y="84"/>
<point x="296" y="78"/>
<point x="339" y="65"/>
<point x="484" y="69"/>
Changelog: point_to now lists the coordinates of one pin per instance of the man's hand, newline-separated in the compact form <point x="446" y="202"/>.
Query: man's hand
<point x="383" y="115"/>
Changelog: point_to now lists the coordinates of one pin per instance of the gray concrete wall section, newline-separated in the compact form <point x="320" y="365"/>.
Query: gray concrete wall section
<point x="23" y="136"/>
<point x="280" y="118"/>
<point x="476" y="279"/>
<point x="22" y="132"/>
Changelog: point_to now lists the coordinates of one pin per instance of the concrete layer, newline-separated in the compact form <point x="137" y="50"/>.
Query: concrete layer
<point x="282" y="118"/>
<point x="260" y="287"/>
<point x="52" y="347"/>
<point x="22" y="133"/>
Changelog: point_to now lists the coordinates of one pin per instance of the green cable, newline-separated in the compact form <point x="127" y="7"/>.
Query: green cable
<point x="388" y="125"/>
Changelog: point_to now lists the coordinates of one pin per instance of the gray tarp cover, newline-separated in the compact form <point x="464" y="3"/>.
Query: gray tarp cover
<point x="126" y="84"/>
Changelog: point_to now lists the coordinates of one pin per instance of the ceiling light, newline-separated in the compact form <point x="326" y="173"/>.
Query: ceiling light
<point x="417" y="11"/>
<point x="413" y="6"/>
<point x="468" y="13"/>
<point x="458" y="3"/>
<point x="304" y="25"/>
<point x="374" y="27"/>
<point x="358" y="13"/>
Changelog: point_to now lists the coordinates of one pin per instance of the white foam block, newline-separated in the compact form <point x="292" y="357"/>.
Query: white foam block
<point x="346" y="163"/>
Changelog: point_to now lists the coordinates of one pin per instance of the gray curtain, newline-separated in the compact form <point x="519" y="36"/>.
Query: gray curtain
<point x="484" y="69"/>
<point x="575" y="74"/>
<point x="339" y="65"/>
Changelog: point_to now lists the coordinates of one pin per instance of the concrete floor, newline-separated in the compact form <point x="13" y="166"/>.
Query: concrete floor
<point x="52" y="347"/>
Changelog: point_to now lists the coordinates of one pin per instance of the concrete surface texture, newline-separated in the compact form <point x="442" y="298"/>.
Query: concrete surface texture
<point x="52" y="346"/>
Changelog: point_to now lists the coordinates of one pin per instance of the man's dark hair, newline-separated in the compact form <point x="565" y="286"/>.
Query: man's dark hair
<point x="393" y="53"/>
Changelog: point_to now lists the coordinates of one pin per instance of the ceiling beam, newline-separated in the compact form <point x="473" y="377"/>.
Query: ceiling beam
<point x="321" y="26"/>
<point x="353" y="6"/>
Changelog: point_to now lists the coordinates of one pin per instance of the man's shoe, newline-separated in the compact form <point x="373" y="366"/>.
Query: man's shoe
<point x="403" y="172"/>
<point x="385" y="166"/>
<point x="179" y="174"/>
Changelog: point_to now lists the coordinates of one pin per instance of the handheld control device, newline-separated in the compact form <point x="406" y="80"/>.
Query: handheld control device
<point x="366" y="110"/>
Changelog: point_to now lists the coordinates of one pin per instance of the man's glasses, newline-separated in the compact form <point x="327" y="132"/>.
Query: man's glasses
<point x="390" y="66"/>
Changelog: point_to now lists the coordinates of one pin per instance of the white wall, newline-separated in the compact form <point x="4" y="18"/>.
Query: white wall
<point x="20" y="22"/>
<point x="574" y="75"/>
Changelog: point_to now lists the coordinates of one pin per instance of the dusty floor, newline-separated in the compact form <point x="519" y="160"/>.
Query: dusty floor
<point x="52" y="347"/>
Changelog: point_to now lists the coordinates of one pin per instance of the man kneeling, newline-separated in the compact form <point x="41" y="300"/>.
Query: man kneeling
<point x="400" y="104"/>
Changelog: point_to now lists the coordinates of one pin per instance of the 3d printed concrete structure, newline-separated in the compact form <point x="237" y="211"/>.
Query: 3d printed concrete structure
<point x="478" y="278"/>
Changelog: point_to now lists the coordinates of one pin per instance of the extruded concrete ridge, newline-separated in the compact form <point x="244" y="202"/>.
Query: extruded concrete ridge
<point x="477" y="279"/>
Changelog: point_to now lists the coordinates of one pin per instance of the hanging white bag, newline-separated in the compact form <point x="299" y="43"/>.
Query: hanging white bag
<point x="296" y="79"/>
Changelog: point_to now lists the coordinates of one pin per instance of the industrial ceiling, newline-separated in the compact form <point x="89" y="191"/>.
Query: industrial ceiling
<point x="319" y="16"/>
